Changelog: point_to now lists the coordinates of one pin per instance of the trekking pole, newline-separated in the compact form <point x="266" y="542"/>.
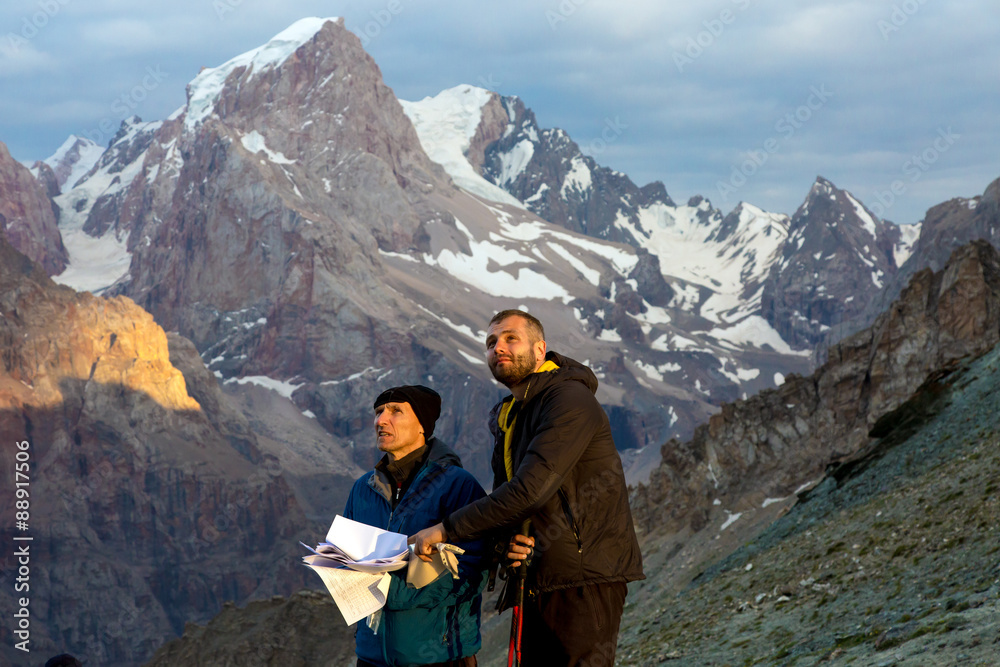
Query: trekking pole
<point x="517" y="618"/>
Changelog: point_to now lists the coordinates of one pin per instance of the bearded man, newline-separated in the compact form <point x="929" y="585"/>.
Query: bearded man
<point x="555" y="463"/>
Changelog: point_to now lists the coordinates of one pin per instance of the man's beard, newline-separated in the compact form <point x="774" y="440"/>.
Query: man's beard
<point x="521" y="366"/>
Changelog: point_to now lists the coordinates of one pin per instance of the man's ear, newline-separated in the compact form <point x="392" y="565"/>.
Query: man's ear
<point x="540" y="352"/>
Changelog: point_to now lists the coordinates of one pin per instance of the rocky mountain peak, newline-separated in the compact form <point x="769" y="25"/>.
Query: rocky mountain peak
<point x="990" y="200"/>
<point x="553" y="176"/>
<point x="307" y="118"/>
<point x="838" y="257"/>
<point x="455" y="128"/>
<point x="73" y="159"/>
<point x="313" y="95"/>
<point x="929" y="244"/>
<point x="954" y="223"/>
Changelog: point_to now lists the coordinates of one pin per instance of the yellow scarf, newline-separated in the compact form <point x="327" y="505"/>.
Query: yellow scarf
<point x="508" y="427"/>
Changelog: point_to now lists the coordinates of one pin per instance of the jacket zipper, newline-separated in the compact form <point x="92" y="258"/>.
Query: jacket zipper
<point x="383" y="630"/>
<point x="562" y="496"/>
<point x="572" y="520"/>
<point x="384" y="622"/>
<point x="393" y="506"/>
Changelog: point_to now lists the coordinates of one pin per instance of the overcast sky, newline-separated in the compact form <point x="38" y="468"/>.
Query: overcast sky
<point x="730" y="99"/>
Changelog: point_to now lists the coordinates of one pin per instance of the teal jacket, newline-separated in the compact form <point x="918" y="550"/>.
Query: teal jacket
<point x="439" y="622"/>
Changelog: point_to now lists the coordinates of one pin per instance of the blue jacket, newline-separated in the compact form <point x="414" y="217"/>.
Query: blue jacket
<point x="439" y="622"/>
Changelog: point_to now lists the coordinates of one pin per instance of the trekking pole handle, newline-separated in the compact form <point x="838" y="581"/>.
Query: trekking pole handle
<point x="526" y="531"/>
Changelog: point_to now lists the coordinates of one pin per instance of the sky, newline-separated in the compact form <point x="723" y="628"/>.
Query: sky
<point x="734" y="100"/>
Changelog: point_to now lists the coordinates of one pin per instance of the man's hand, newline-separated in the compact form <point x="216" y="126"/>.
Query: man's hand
<point x="424" y="541"/>
<point x="519" y="549"/>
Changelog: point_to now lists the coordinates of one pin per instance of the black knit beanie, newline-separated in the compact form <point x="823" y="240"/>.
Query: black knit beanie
<point x="425" y="402"/>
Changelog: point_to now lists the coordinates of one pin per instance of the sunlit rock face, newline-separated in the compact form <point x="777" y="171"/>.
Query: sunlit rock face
<point x="142" y="497"/>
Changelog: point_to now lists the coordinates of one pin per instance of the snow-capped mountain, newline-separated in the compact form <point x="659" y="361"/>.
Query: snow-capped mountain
<point x="73" y="159"/>
<point x="289" y="220"/>
<point x="92" y="222"/>
<point x="783" y="282"/>
<point x="543" y="169"/>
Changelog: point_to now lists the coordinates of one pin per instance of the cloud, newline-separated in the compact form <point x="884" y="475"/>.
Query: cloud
<point x="578" y="63"/>
<point x="19" y="57"/>
<point x="122" y="35"/>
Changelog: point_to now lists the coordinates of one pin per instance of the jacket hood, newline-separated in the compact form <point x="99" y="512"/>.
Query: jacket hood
<point x="442" y="454"/>
<point x="569" y="370"/>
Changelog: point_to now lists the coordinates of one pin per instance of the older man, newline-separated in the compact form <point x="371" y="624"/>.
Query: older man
<point x="554" y="462"/>
<point x="418" y="481"/>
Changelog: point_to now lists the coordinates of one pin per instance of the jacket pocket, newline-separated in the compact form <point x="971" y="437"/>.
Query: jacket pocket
<point x="419" y="636"/>
<point x="568" y="511"/>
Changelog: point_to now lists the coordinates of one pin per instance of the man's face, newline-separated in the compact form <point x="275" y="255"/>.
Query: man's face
<point x="397" y="430"/>
<point x="511" y="353"/>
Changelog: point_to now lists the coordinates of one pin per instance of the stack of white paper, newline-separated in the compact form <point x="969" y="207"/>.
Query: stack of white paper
<point x="354" y="563"/>
<point x="329" y="555"/>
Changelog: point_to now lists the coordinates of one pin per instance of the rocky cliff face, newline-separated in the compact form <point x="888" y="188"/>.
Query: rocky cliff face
<point x="47" y="179"/>
<point x="27" y="217"/>
<point x="779" y="442"/>
<point x="148" y="507"/>
<point x="945" y="227"/>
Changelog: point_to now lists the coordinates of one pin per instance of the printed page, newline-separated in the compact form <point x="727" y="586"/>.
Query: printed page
<point x="357" y="594"/>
